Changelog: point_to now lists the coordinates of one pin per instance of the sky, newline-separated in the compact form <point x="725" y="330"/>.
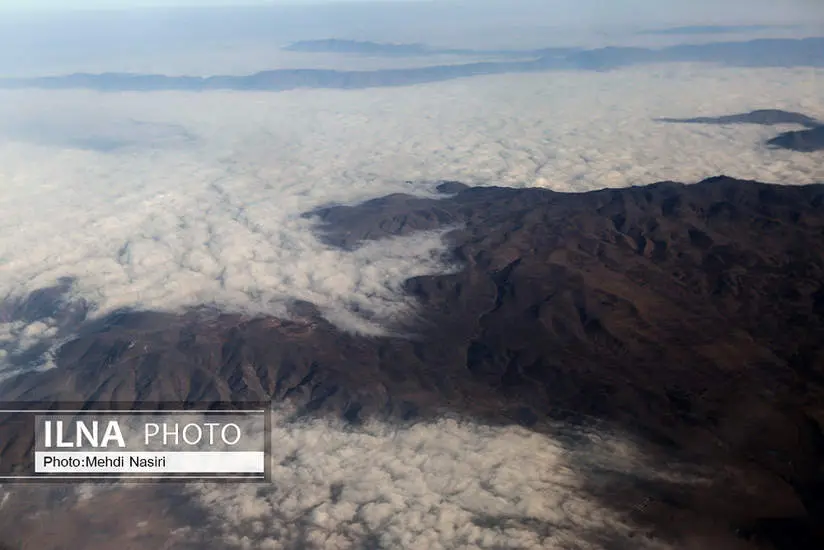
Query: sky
<point x="117" y="4"/>
<point x="695" y="10"/>
<point x="81" y="4"/>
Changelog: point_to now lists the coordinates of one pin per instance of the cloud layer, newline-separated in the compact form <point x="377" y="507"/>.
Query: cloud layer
<point x="168" y="222"/>
<point x="450" y="484"/>
<point x="201" y="203"/>
<point x="442" y="485"/>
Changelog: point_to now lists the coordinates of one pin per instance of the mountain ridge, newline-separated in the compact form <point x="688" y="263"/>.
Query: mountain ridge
<point x="805" y="52"/>
<point x="691" y="316"/>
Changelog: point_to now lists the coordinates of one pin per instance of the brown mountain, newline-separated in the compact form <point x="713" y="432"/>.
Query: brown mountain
<point x="689" y="315"/>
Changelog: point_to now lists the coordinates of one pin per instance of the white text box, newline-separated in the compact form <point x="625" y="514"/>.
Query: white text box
<point x="244" y="462"/>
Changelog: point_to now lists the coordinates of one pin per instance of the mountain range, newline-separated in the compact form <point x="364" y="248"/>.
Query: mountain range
<point x="809" y="140"/>
<point x="807" y="52"/>
<point x="691" y="316"/>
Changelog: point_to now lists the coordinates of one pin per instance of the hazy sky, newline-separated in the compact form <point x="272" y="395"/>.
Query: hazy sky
<point x="676" y="8"/>
<point x="94" y="4"/>
<point x="580" y="13"/>
<point x="40" y="37"/>
<point x="114" y="4"/>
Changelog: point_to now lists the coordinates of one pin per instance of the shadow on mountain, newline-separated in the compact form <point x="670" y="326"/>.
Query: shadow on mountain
<point x="690" y="316"/>
<point x="53" y="307"/>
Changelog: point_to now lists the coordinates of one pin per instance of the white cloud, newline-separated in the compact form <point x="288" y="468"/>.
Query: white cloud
<point x="216" y="216"/>
<point x="437" y="485"/>
<point x="448" y="484"/>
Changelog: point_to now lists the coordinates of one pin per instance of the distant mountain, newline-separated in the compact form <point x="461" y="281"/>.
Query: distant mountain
<point x="766" y="52"/>
<point x="805" y="141"/>
<point x="691" y="316"/>
<point x="276" y="80"/>
<point x="713" y="29"/>
<point x="334" y="45"/>
<point x="764" y="117"/>
<point x="807" y="52"/>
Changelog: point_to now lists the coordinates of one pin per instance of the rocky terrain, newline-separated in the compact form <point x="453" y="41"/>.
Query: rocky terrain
<point x="691" y="316"/>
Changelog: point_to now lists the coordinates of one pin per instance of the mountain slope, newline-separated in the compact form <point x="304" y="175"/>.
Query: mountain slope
<point x="691" y="316"/>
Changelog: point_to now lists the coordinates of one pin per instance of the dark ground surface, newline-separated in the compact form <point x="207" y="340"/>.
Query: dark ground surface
<point x="691" y="316"/>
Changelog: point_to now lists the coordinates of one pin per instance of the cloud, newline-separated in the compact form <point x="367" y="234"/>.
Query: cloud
<point x="215" y="218"/>
<point x="441" y="485"/>
<point x="449" y="484"/>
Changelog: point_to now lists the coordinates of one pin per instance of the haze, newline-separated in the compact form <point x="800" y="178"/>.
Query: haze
<point x="170" y="199"/>
<point x="232" y="39"/>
